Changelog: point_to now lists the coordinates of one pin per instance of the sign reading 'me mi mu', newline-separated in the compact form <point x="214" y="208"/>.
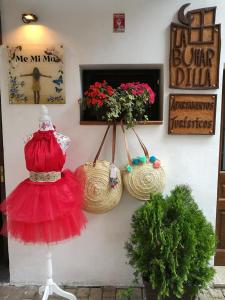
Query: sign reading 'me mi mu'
<point x="192" y="114"/>
<point x="35" y="74"/>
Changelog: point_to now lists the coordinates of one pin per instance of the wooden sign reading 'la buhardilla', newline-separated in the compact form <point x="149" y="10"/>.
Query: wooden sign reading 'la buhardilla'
<point x="192" y="114"/>
<point x="195" y="50"/>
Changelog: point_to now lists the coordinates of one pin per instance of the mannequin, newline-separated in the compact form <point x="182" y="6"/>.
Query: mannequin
<point x="51" y="287"/>
<point x="46" y="207"/>
<point x="45" y="124"/>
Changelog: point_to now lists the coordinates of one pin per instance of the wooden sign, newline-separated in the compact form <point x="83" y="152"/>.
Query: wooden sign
<point x="192" y="114"/>
<point x="195" y="50"/>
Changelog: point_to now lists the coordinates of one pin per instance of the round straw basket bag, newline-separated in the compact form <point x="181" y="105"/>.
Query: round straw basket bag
<point x="103" y="183"/>
<point x="143" y="175"/>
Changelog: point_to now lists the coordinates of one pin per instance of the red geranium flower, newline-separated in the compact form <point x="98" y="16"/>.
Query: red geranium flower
<point x="98" y="93"/>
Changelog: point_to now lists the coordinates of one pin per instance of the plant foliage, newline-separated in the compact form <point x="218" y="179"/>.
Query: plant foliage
<point x="126" y="293"/>
<point x="171" y="244"/>
<point x="130" y="102"/>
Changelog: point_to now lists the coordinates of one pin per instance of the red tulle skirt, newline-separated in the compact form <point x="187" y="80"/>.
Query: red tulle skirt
<point x="44" y="212"/>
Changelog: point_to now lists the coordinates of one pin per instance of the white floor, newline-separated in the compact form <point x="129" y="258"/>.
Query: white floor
<point x="219" y="279"/>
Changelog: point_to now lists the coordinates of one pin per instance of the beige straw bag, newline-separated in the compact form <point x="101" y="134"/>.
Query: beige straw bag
<point x="142" y="176"/>
<point x="103" y="183"/>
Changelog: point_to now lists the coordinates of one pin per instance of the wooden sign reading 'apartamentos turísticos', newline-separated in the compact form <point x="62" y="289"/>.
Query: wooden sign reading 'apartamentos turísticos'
<point x="192" y="114"/>
<point x="195" y="50"/>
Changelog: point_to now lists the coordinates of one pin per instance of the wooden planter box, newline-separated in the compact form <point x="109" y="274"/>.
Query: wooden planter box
<point x="106" y="123"/>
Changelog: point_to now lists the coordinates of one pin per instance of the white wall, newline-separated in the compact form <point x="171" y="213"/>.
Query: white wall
<point x="85" y="29"/>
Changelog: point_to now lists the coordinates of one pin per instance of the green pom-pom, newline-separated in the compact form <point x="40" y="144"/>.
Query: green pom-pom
<point x="129" y="168"/>
<point x="142" y="159"/>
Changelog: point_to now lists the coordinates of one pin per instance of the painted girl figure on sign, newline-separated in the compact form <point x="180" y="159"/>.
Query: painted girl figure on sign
<point x="36" y="86"/>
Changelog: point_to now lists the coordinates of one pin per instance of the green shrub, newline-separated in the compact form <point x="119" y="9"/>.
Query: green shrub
<point x="171" y="244"/>
<point x="126" y="293"/>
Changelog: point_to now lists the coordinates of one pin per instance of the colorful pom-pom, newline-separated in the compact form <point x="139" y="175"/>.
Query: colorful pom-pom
<point x="152" y="159"/>
<point x="136" y="161"/>
<point x="142" y="159"/>
<point x="129" y="168"/>
<point x="156" y="164"/>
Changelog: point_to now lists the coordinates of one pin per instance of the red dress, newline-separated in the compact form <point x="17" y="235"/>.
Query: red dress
<point x="44" y="212"/>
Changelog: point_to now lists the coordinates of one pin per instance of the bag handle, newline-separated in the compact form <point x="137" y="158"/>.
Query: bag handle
<point x="142" y="144"/>
<point x="101" y="145"/>
<point x="114" y="143"/>
<point x="103" y="141"/>
<point x="126" y="144"/>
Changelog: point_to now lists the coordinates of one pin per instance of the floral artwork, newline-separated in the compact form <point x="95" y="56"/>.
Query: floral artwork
<point x="36" y="74"/>
<point x="130" y="102"/>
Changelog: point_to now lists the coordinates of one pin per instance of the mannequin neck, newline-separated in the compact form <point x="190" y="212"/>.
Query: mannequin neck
<point x="45" y="125"/>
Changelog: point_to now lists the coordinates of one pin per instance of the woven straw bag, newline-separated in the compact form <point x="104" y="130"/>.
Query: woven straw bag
<point x="142" y="176"/>
<point x="103" y="183"/>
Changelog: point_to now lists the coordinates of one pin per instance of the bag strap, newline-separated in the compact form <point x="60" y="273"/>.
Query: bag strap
<point x="101" y="145"/>
<point x="126" y="144"/>
<point x="103" y="141"/>
<point x="142" y="144"/>
<point x="114" y="143"/>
